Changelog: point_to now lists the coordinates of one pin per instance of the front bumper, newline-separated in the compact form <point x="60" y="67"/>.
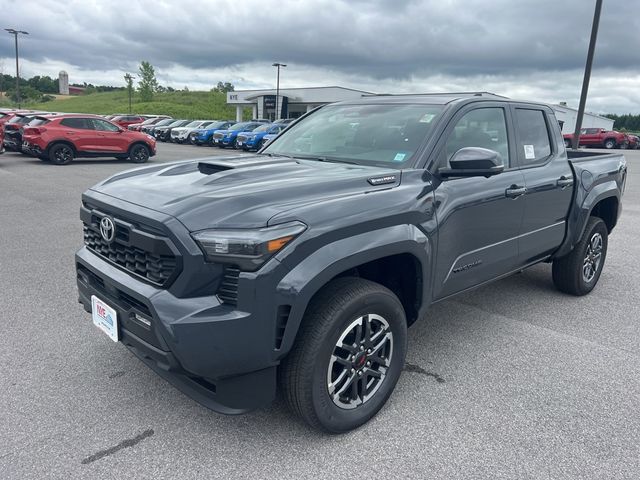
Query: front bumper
<point x="210" y="351"/>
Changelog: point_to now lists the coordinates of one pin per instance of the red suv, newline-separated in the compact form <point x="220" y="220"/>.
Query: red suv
<point x="61" y="138"/>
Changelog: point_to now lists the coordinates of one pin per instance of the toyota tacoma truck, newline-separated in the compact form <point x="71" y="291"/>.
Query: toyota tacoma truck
<point x="599" y="138"/>
<point x="302" y="266"/>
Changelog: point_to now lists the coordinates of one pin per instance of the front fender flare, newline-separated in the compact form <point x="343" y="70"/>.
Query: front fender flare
<point x="309" y="276"/>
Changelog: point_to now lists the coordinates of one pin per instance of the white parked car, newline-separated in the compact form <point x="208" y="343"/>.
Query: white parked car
<point x="181" y="134"/>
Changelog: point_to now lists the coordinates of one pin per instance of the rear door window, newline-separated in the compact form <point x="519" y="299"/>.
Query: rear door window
<point x="534" y="145"/>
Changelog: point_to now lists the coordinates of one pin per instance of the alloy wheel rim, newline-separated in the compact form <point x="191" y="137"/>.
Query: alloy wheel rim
<point x="140" y="154"/>
<point x="63" y="154"/>
<point x="360" y="361"/>
<point x="593" y="258"/>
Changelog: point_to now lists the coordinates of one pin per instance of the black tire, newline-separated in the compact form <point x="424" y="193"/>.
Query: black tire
<point x="61" y="154"/>
<point x="609" y="143"/>
<point x="139" y="153"/>
<point x="569" y="274"/>
<point x="306" y="373"/>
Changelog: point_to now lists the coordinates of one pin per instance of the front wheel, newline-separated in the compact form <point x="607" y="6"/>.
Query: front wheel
<point x="139" y="154"/>
<point x="348" y="355"/>
<point x="609" y="144"/>
<point x="578" y="272"/>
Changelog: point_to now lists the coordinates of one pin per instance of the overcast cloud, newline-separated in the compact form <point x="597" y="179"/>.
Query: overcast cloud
<point x="525" y="49"/>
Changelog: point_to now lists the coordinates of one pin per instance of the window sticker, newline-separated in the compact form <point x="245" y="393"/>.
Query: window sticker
<point x="529" y="152"/>
<point x="399" y="157"/>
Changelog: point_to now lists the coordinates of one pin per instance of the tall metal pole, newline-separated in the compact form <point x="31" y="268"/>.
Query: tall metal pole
<point x="587" y="74"/>
<point x="129" y="80"/>
<point x="278" y="65"/>
<point x="15" y="33"/>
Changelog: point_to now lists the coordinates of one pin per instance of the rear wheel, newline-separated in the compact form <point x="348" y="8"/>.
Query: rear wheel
<point x="578" y="272"/>
<point x="139" y="153"/>
<point x="61" y="154"/>
<point x="348" y="355"/>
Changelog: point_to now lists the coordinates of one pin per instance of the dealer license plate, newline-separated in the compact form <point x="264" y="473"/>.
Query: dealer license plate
<point x="104" y="317"/>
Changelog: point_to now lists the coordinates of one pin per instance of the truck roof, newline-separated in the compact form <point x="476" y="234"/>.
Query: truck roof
<point x="435" y="98"/>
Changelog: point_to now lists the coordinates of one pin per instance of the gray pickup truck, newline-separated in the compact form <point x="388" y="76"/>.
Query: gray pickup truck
<point x="303" y="266"/>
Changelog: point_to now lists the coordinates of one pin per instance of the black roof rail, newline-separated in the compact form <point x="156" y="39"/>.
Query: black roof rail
<point x="441" y="94"/>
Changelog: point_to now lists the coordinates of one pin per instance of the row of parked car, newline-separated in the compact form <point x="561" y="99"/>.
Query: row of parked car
<point x="250" y="135"/>
<point x="61" y="137"/>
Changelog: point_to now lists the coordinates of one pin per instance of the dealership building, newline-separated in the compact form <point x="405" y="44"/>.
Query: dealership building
<point x="291" y="102"/>
<point x="567" y="117"/>
<point x="294" y="102"/>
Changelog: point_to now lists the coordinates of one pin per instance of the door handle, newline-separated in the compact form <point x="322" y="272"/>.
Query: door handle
<point x="515" y="191"/>
<point x="565" y="182"/>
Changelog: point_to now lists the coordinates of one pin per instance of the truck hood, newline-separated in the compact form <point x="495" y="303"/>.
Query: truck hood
<point x="242" y="191"/>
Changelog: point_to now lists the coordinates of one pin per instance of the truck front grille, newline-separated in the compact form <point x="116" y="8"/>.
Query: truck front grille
<point x="157" y="269"/>
<point x="141" y="250"/>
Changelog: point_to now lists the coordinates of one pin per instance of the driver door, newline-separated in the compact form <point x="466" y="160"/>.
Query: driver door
<point x="111" y="138"/>
<point x="479" y="219"/>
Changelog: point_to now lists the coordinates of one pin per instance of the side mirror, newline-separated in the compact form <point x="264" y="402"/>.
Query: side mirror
<point x="473" y="162"/>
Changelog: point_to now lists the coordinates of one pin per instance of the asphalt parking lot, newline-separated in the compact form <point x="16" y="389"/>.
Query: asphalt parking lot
<point x="513" y="380"/>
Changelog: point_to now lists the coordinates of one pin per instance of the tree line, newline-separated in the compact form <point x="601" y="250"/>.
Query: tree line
<point x="626" y="123"/>
<point x="42" y="88"/>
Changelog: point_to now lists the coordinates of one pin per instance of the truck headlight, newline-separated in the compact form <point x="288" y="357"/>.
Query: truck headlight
<point x="247" y="248"/>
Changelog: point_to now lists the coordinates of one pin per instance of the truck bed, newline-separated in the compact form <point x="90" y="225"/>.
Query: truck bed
<point x="581" y="155"/>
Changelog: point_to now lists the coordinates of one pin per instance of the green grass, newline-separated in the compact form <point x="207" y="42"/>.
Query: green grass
<point x="190" y="105"/>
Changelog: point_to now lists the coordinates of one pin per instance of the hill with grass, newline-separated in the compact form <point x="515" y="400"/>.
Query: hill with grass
<point x="179" y="104"/>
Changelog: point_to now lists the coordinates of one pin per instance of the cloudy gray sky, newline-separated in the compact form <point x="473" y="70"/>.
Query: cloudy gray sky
<point x="532" y="49"/>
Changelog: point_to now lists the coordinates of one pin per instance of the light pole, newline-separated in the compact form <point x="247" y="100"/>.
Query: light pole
<point x="278" y="65"/>
<point x="575" y="141"/>
<point x="129" y="79"/>
<point x="15" y="34"/>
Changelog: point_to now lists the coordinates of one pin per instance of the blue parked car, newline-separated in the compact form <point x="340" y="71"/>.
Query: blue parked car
<point x="268" y="138"/>
<point x="254" y="139"/>
<point x="228" y="137"/>
<point x="204" y="136"/>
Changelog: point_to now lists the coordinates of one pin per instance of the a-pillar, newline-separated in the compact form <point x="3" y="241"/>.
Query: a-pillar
<point x="238" y="113"/>
<point x="310" y="107"/>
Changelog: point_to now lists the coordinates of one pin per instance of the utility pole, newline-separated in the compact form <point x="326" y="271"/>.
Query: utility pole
<point x="575" y="141"/>
<point x="278" y="65"/>
<point x="15" y="34"/>
<point x="129" y="79"/>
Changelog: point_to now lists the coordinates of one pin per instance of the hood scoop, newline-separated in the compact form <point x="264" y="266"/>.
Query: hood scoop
<point x="210" y="167"/>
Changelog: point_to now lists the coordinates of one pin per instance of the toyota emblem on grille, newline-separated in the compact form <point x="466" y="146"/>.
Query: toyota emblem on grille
<point x="107" y="229"/>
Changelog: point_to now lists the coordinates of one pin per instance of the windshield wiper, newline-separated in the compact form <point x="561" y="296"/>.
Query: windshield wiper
<point x="277" y="155"/>
<point x="321" y="158"/>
